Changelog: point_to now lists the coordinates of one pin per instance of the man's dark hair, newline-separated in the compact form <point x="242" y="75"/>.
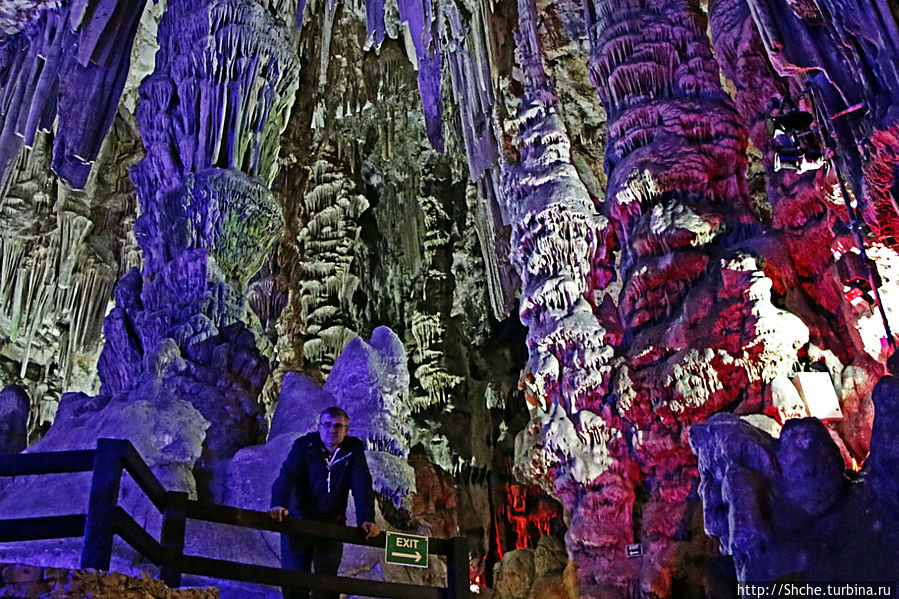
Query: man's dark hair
<point x="334" y="412"/>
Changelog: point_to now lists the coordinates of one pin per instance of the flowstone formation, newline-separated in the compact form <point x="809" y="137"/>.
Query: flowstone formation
<point x="787" y="509"/>
<point x="330" y="211"/>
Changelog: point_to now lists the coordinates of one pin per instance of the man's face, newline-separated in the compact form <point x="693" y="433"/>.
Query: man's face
<point x="332" y="430"/>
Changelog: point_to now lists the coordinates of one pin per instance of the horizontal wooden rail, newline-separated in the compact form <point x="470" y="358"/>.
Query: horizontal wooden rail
<point x="44" y="527"/>
<point x="317" y="582"/>
<point x="50" y="462"/>
<point x="225" y="514"/>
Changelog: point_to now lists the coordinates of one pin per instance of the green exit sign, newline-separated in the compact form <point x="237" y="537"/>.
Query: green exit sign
<point x="406" y="550"/>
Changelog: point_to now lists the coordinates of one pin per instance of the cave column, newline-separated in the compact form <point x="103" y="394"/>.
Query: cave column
<point x="695" y="314"/>
<point x="210" y="117"/>
<point x="562" y="248"/>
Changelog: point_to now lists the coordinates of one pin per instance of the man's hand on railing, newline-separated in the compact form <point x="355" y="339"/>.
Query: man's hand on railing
<point x="370" y="529"/>
<point x="277" y="513"/>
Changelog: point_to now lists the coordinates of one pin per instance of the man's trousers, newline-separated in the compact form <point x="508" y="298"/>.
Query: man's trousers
<point x="304" y="554"/>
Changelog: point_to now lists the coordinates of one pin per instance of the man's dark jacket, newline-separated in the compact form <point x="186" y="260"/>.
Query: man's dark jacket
<point x="302" y="485"/>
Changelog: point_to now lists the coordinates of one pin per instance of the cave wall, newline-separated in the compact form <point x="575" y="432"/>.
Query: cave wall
<point x="242" y="188"/>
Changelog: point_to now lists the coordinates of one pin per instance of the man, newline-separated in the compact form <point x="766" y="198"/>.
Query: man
<point x="318" y="474"/>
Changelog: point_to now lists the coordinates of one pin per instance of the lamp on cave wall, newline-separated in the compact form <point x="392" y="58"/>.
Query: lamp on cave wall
<point x="796" y="144"/>
<point x="853" y="276"/>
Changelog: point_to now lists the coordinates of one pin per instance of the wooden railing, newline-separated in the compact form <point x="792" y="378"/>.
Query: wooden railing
<point x="105" y="518"/>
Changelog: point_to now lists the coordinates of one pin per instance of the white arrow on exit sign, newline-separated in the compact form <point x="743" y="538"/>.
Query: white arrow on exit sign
<point x="406" y="550"/>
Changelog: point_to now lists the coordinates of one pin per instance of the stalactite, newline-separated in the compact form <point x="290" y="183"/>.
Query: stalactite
<point x="419" y="18"/>
<point x="56" y="67"/>
<point x="78" y="243"/>
<point x="374" y="22"/>
<point x="426" y="316"/>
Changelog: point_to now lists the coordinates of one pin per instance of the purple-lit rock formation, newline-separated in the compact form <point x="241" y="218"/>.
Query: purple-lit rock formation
<point x="180" y="373"/>
<point x="210" y="120"/>
<point x="370" y="380"/>
<point x="168" y="433"/>
<point x="419" y="18"/>
<point x="786" y="509"/>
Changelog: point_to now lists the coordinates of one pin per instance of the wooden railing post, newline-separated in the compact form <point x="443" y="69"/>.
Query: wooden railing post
<point x="457" y="570"/>
<point x="174" y="520"/>
<point x="100" y="522"/>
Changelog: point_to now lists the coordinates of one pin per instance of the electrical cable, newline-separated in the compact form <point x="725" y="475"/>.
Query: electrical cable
<point x="855" y="218"/>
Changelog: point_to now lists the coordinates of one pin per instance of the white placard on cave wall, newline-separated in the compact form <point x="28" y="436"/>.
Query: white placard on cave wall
<point x="817" y="391"/>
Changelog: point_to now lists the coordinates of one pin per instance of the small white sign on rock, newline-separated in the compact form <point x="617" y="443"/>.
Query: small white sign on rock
<point x="817" y="391"/>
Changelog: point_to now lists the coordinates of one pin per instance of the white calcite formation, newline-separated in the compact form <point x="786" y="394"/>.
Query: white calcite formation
<point x="866" y="326"/>
<point x="559" y="452"/>
<point x="559" y="243"/>
<point x="427" y="316"/>
<point x="331" y="208"/>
